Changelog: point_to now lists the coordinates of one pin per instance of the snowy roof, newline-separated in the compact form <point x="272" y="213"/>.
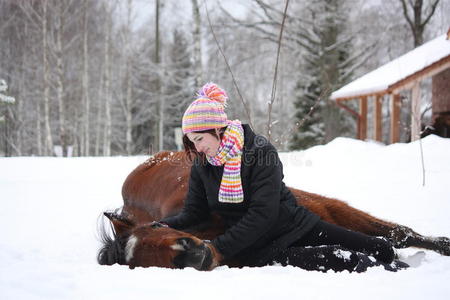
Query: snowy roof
<point x="383" y="78"/>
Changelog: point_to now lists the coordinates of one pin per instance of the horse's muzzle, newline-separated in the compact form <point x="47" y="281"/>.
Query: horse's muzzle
<point x="193" y="255"/>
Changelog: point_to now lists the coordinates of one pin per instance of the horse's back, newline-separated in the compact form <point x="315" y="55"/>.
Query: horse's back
<point x="340" y="213"/>
<point x="157" y="187"/>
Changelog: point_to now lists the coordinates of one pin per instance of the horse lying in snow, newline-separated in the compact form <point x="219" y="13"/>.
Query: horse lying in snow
<point x="157" y="188"/>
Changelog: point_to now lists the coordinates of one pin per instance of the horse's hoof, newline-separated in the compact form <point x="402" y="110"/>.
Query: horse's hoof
<point x="443" y="245"/>
<point x="396" y="265"/>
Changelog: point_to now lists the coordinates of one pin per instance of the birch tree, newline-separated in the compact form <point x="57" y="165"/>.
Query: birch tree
<point x="197" y="37"/>
<point x="60" y="19"/>
<point x="3" y="116"/>
<point x="85" y="93"/>
<point x="106" y="94"/>
<point x="46" y="75"/>
<point x="157" y="60"/>
<point x="126" y="100"/>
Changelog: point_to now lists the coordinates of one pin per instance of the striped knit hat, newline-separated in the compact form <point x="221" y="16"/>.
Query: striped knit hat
<point x="207" y="111"/>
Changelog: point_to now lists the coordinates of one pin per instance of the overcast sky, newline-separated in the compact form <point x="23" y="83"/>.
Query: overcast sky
<point x="178" y="12"/>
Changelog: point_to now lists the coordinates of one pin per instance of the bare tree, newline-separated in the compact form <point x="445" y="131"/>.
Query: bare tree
<point x="418" y="22"/>
<point x="64" y="16"/>
<point x="6" y="116"/>
<point x="107" y="84"/>
<point x="126" y="103"/>
<point x="46" y="75"/>
<point x="197" y="37"/>
<point x="59" y="24"/>
<point x="85" y="93"/>
<point x="157" y="61"/>
<point x="315" y="40"/>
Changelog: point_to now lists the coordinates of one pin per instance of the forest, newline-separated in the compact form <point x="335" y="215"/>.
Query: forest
<point x="113" y="77"/>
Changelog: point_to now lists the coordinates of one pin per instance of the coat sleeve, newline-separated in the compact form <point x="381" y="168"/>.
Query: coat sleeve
<point x="264" y="203"/>
<point x="195" y="208"/>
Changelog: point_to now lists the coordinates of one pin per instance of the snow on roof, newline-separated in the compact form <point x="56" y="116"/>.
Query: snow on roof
<point x="400" y="68"/>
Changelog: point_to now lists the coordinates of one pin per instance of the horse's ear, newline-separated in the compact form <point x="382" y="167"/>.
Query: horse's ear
<point x="122" y="225"/>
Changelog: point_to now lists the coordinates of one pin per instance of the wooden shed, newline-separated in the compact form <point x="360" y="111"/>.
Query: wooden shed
<point x="431" y="59"/>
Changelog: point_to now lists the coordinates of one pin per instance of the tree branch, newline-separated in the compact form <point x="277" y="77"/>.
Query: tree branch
<point x="433" y="8"/>
<point x="405" y="13"/>
<point x="274" y="83"/>
<point x="229" y="68"/>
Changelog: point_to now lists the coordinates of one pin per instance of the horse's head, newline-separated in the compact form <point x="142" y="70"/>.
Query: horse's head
<point x="153" y="245"/>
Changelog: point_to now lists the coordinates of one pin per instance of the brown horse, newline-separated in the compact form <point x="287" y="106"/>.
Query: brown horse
<point x="157" y="188"/>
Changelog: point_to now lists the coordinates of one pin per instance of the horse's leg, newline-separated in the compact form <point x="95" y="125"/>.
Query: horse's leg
<point x="340" y="213"/>
<point x="403" y="237"/>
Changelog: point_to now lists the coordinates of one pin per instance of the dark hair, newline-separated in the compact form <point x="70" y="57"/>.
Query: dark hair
<point x="189" y="146"/>
<point x="113" y="246"/>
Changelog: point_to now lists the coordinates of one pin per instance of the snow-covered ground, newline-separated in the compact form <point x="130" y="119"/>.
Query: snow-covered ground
<point x="50" y="206"/>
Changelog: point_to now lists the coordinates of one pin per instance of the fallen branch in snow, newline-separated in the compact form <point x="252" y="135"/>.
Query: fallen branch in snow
<point x="423" y="162"/>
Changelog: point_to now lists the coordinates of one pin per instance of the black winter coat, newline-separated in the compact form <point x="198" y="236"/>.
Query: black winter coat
<point x="269" y="214"/>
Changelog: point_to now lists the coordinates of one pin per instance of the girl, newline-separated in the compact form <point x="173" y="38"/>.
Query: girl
<point x="239" y="176"/>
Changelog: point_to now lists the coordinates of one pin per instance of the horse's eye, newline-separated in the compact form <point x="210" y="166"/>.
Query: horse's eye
<point x="156" y="225"/>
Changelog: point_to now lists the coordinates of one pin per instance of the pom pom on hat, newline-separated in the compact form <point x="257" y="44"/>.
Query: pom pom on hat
<point x="207" y="111"/>
<point x="213" y="92"/>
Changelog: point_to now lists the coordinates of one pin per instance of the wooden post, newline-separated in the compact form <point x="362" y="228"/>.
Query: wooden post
<point x="378" y="118"/>
<point x="440" y="94"/>
<point x="362" y="118"/>
<point x="357" y="116"/>
<point x="395" y="118"/>
<point x="441" y="103"/>
<point x="415" y="112"/>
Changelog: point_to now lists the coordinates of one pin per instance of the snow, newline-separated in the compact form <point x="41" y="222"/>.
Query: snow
<point x="343" y="254"/>
<point x="385" y="76"/>
<point x="50" y="208"/>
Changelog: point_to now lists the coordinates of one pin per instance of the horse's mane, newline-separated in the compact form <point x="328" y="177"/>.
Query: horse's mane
<point x="175" y="159"/>
<point x="113" y="246"/>
<point x="165" y="156"/>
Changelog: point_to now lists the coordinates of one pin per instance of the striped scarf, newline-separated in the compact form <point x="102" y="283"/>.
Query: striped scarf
<point x="229" y="154"/>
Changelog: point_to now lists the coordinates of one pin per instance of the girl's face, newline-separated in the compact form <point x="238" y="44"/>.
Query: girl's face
<point x="204" y="142"/>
